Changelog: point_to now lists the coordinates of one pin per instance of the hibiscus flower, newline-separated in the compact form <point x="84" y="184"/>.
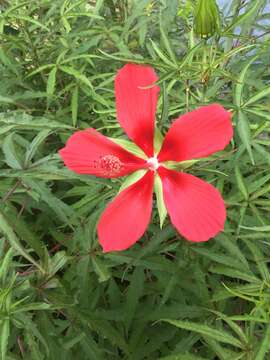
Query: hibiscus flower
<point x="196" y="208"/>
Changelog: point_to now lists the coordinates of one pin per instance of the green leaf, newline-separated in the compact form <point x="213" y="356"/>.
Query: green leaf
<point x="57" y="262"/>
<point x="241" y="183"/>
<point x="185" y="356"/>
<point x="264" y="346"/>
<point x="219" y="335"/>
<point x="4" y="336"/>
<point x="37" y="306"/>
<point x="51" y="82"/>
<point x="245" y="134"/>
<point x="167" y="44"/>
<point x="5" y="265"/>
<point x="100" y="269"/>
<point x="238" y="93"/>
<point x="79" y="76"/>
<point x="23" y="121"/>
<point x="258" y="96"/>
<point x="134" y="292"/>
<point x="11" y="154"/>
<point x="240" y="19"/>
<point x="7" y="230"/>
<point x="32" y="21"/>
<point x="257" y="228"/>
<point x="162" y="56"/>
<point x="38" y="140"/>
<point x="74" y="105"/>
<point x="259" y="259"/>
<point x="62" y="210"/>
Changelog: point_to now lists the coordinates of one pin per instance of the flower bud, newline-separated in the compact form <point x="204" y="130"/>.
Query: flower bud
<point x="206" y="18"/>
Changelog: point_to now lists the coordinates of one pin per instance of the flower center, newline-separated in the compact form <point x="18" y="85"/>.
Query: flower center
<point x="153" y="163"/>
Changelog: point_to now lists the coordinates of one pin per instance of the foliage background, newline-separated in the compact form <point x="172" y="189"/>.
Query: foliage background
<point x="165" y="298"/>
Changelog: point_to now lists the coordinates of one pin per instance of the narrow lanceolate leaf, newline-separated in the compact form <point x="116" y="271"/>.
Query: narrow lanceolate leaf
<point x="167" y="44"/>
<point x="240" y="182"/>
<point x="11" y="155"/>
<point x="162" y="56"/>
<point x="79" y="76"/>
<point x="38" y="140"/>
<point x="245" y="133"/>
<point x="100" y="269"/>
<point x="5" y="265"/>
<point x="32" y="21"/>
<point x="185" y="356"/>
<point x="264" y="347"/>
<point x="134" y="293"/>
<point x="260" y="260"/>
<point x="51" y="82"/>
<point x="74" y="105"/>
<point x="38" y="306"/>
<point x="162" y="211"/>
<point x="238" y="93"/>
<point x="205" y="330"/>
<point x="257" y="228"/>
<point x="242" y="18"/>
<point x="4" y="332"/>
<point x="263" y="93"/>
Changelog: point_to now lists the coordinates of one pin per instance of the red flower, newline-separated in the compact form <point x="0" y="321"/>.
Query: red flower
<point x="195" y="207"/>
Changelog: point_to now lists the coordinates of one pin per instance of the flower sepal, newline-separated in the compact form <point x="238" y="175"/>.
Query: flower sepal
<point x="182" y="165"/>
<point x="162" y="211"/>
<point x="129" y="146"/>
<point x="131" y="179"/>
<point x="158" y="140"/>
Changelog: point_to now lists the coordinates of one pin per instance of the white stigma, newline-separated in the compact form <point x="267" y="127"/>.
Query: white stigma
<point x="153" y="163"/>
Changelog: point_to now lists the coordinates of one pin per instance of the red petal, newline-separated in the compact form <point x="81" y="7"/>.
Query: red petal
<point x="89" y="152"/>
<point x="136" y="106"/>
<point x="126" y="218"/>
<point x="197" y="134"/>
<point x="195" y="207"/>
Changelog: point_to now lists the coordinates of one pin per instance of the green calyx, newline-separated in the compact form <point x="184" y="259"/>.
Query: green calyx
<point x="206" y="18"/>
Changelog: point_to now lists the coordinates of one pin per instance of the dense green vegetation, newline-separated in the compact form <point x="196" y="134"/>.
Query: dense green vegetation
<point x="165" y="298"/>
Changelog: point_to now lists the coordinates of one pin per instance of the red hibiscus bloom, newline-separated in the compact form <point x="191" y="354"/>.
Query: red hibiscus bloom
<point x="195" y="207"/>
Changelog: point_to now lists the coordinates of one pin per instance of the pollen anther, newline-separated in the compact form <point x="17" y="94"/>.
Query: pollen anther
<point x="109" y="164"/>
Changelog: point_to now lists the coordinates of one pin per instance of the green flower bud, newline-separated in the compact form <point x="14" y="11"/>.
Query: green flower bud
<point x="206" y="18"/>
